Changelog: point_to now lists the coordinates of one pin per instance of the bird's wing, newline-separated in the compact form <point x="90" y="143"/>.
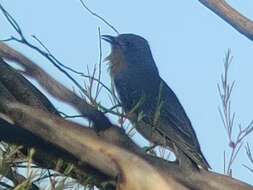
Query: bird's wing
<point x="174" y="124"/>
<point x="172" y="113"/>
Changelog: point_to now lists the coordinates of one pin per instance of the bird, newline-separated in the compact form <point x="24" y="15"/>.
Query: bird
<point x="155" y="109"/>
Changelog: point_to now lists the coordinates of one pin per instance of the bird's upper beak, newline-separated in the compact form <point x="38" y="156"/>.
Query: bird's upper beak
<point x="111" y="39"/>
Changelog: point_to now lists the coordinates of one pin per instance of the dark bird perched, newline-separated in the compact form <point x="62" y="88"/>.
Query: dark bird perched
<point x="152" y="105"/>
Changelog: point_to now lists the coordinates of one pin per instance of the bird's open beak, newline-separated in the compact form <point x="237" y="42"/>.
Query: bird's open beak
<point x="111" y="39"/>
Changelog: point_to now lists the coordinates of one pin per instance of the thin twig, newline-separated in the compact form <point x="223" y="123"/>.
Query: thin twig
<point x="99" y="17"/>
<point x="99" y="64"/>
<point x="52" y="59"/>
<point x="225" y="91"/>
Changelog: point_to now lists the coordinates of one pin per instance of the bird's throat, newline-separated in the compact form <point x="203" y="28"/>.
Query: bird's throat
<point x="116" y="61"/>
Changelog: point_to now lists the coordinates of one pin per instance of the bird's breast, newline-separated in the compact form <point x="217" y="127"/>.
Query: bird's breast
<point x="136" y="88"/>
<point x="117" y="62"/>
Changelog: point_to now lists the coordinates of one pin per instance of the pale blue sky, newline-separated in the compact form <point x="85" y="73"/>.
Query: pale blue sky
<point x="188" y="42"/>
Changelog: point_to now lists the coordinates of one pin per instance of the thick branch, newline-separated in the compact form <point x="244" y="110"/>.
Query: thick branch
<point x="241" y="23"/>
<point x="88" y="147"/>
<point x="84" y="144"/>
<point x="14" y="86"/>
<point x="57" y="89"/>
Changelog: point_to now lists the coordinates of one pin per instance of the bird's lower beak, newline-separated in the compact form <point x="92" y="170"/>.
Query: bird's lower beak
<point x="110" y="39"/>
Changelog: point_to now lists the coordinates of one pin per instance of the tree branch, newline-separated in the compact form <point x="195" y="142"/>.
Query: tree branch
<point x="241" y="23"/>
<point x="15" y="87"/>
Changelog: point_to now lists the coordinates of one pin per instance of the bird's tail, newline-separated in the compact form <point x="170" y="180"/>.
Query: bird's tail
<point x="198" y="158"/>
<point x="189" y="157"/>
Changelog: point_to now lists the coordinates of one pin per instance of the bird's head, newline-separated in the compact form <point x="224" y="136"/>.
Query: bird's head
<point x="128" y="50"/>
<point x="127" y="42"/>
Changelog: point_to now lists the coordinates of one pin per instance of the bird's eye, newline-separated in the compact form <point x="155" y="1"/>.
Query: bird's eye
<point x="127" y="44"/>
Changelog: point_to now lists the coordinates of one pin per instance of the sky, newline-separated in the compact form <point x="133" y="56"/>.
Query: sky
<point x="188" y="43"/>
